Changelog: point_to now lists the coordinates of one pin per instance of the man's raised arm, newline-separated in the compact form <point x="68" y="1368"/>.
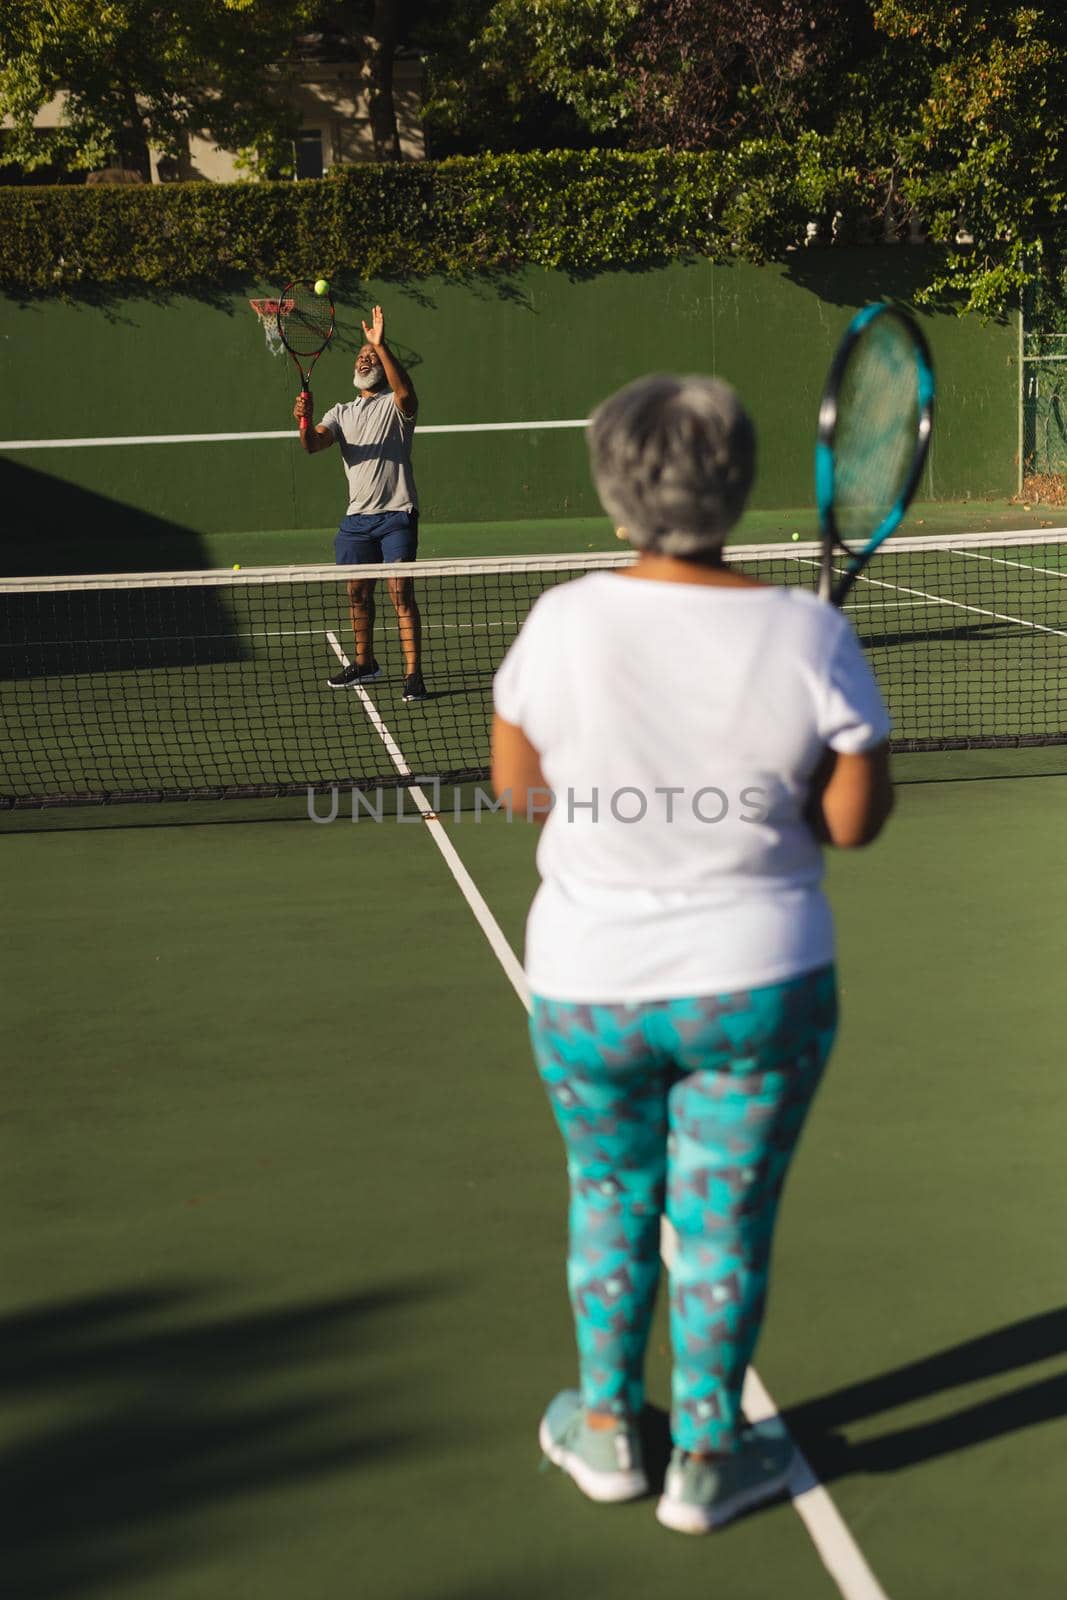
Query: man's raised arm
<point x="407" y="402"/>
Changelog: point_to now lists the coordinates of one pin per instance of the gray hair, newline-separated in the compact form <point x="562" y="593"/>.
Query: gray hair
<point x="673" y="460"/>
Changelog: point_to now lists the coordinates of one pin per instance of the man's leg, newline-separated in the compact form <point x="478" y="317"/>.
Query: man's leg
<point x="356" y="546"/>
<point x="400" y="542"/>
<point x="361" y="610"/>
<point x="402" y="594"/>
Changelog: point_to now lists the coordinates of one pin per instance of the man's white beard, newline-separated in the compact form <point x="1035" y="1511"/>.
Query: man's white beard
<point x="369" y="379"/>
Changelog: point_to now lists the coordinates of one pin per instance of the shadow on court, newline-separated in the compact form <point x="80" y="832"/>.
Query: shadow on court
<point x="53" y="526"/>
<point x="815" y="1424"/>
<point x="144" y="1422"/>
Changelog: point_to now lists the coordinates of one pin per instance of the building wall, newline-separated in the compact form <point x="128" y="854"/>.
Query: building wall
<point x="330" y="96"/>
<point x="538" y="348"/>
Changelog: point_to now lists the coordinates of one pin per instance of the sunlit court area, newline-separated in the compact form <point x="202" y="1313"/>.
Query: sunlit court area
<point x="285" y="1271"/>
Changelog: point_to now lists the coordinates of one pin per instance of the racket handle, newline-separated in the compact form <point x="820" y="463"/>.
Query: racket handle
<point x="305" y="421"/>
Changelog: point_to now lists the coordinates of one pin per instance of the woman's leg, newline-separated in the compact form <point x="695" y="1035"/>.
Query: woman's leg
<point x="750" y="1064"/>
<point x="608" y="1093"/>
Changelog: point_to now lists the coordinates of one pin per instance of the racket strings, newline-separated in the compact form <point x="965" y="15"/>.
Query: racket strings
<point x="877" y="420"/>
<point x="305" y="320"/>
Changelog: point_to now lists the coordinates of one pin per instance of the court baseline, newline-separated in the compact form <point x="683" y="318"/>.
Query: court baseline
<point x="273" y="433"/>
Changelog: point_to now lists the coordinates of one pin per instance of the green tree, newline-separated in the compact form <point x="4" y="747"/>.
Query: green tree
<point x="979" y="160"/>
<point x="487" y="88"/>
<point x="137" y="73"/>
<point x="939" y="118"/>
<point x="637" y="74"/>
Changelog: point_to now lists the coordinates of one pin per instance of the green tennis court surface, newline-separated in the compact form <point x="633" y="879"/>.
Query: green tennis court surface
<point x="283" y="1277"/>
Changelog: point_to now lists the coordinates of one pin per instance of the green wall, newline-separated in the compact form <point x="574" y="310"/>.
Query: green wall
<point x="534" y="346"/>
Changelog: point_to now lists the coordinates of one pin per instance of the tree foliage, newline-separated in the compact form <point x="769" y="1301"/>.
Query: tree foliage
<point x="706" y="73"/>
<point x="943" y="119"/>
<point x="981" y="163"/>
<point x="137" y="73"/>
<point x="949" y="115"/>
<point x="640" y="74"/>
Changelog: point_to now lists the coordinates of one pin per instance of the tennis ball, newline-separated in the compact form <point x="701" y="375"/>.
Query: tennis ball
<point x="794" y="536"/>
<point x="321" y="286"/>
<point x="237" y="566"/>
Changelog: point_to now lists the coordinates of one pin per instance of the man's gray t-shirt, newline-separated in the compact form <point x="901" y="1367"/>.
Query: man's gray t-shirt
<point x="375" y="440"/>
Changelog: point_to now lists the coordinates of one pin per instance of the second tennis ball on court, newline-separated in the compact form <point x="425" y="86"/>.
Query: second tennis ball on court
<point x="794" y="536"/>
<point x="321" y="286"/>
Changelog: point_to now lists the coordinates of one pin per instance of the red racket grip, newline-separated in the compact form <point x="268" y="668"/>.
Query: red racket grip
<point x="304" y="421"/>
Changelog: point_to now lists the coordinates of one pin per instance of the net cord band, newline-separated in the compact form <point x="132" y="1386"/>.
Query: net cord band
<point x="493" y="565"/>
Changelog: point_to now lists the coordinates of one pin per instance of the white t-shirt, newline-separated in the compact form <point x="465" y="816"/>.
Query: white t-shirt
<point x="678" y="727"/>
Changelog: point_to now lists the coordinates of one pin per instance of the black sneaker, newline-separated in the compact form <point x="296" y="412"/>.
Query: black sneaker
<point x="350" y="676"/>
<point x="414" y="688"/>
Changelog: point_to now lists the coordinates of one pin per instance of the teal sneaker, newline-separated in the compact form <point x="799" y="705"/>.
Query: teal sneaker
<point x="699" y="1495"/>
<point x="606" y="1464"/>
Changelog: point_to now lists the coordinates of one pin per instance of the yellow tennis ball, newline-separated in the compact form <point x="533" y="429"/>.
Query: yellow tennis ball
<point x="794" y="536"/>
<point x="321" y="286"/>
<point x="237" y="566"/>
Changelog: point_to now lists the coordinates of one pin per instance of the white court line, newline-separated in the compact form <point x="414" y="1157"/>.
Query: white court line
<point x="1002" y="561"/>
<point x="266" y="633"/>
<point x="284" y="433"/>
<point x="468" y="888"/>
<point x="836" y="1548"/>
<point x="273" y="633"/>
<point x="829" y="1533"/>
<point x="313" y="633"/>
<point x="956" y="605"/>
<point x="501" y="427"/>
<point x="959" y="605"/>
<point x="139" y="438"/>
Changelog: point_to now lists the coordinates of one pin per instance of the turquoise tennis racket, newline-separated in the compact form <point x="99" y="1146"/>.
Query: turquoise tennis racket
<point x="875" y="422"/>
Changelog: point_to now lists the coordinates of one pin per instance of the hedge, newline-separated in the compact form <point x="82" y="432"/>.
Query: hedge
<point x="580" y="211"/>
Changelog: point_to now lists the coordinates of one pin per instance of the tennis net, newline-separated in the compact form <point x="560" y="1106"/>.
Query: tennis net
<point x="213" y="684"/>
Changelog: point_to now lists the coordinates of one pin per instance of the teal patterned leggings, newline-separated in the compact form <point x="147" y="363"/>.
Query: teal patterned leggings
<point x="690" y="1108"/>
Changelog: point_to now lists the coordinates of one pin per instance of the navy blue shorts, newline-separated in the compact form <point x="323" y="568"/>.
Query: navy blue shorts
<point x="381" y="536"/>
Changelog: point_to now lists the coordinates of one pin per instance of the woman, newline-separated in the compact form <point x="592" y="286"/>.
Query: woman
<point x="700" y="734"/>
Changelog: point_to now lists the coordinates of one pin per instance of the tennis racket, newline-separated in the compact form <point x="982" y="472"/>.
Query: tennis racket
<point x="875" y="420"/>
<point x="305" y="327"/>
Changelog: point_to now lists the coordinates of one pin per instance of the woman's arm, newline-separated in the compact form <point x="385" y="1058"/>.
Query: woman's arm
<point x="517" y="770"/>
<point x="851" y="798"/>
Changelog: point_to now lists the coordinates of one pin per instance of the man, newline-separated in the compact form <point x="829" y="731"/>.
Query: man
<point x="382" y="523"/>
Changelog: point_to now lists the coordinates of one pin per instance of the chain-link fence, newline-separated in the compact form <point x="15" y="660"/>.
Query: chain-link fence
<point x="1044" y="396"/>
